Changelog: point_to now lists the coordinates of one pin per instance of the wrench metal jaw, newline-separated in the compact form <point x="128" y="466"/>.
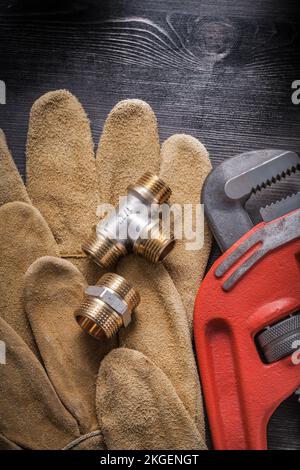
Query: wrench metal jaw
<point x="261" y="242"/>
<point x="230" y="185"/>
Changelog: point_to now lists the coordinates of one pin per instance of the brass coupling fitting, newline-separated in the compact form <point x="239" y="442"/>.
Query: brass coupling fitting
<point x="131" y="227"/>
<point x="107" y="307"/>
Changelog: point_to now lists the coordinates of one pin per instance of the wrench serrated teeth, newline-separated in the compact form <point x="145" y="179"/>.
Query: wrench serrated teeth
<point x="275" y="179"/>
<point x="227" y="192"/>
<point x="279" y="208"/>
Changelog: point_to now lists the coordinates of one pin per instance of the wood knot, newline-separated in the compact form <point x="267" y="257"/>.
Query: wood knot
<point x="215" y="38"/>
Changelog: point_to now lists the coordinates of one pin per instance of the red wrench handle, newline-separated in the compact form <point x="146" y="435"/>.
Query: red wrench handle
<point x="241" y="391"/>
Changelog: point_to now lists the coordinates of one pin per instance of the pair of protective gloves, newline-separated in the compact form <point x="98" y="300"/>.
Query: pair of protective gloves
<point x="59" y="387"/>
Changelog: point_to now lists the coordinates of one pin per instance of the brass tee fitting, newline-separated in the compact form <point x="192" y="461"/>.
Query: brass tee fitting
<point x="132" y="227"/>
<point x="107" y="306"/>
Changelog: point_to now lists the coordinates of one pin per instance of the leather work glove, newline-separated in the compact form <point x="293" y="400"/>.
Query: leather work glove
<point x="147" y="392"/>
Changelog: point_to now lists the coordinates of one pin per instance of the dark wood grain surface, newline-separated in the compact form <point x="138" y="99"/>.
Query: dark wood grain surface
<point x="219" y="70"/>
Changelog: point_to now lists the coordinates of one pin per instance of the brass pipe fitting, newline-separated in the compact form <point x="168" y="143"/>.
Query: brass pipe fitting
<point x="132" y="226"/>
<point x="107" y="307"/>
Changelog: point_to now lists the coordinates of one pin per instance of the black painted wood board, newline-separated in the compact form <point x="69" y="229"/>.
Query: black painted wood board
<point x="219" y="70"/>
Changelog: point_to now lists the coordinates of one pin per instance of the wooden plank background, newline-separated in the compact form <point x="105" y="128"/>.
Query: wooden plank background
<point x="219" y="70"/>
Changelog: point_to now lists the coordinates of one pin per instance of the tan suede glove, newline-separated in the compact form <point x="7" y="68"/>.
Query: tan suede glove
<point x="148" y="393"/>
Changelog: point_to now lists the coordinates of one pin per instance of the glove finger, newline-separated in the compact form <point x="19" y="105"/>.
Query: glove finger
<point x="139" y="408"/>
<point x="31" y="414"/>
<point x="24" y="236"/>
<point x="61" y="170"/>
<point x="12" y="187"/>
<point x="159" y="329"/>
<point x="129" y="146"/>
<point x="187" y="262"/>
<point x="53" y="291"/>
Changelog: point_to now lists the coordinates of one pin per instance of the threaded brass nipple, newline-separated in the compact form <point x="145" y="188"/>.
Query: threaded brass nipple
<point x="107" y="307"/>
<point x="155" y="247"/>
<point x="158" y="190"/>
<point x="104" y="251"/>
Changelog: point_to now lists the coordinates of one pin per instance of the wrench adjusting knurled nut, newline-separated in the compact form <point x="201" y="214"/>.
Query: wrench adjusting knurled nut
<point x="279" y="340"/>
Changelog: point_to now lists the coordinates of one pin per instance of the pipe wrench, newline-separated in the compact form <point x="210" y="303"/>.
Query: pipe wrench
<point x="247" y="310"/>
